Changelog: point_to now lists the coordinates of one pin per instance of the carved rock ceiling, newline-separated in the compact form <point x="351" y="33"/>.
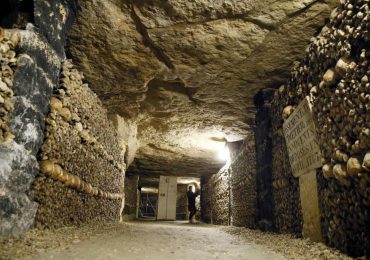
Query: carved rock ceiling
<point x="187" y="71"/>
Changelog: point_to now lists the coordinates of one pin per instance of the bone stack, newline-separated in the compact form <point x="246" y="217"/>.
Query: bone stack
<point x="215" y="198"/>
<point x="81" y="163"/>
<point x="8" y="62"/>
<point x="243" y="185"/>
<point x="287" y="209"/>
<point x="336" y="72"/>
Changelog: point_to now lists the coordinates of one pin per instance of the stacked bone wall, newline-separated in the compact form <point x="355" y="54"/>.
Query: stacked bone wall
<point x="81" y="163"/>
<point x="26" y="90"/>
<point x="335" y="72"/>
<point x="286" y="198"/>
<point x="8" y="63"/>
<point x="243" y="185"/>
<point x="215" y="198"/>
<point x="36" y="74"/>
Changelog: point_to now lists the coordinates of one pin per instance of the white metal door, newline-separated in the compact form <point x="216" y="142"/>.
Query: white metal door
<point x="162" y="198"/>
<point x="167" y="198"/>
<point x="172" y="198"/>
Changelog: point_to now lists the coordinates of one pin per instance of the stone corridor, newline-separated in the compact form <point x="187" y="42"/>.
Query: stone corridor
<point x="121" y="118"/>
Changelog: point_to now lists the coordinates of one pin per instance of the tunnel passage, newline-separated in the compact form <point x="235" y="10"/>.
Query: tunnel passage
<point x="265" y="103"/>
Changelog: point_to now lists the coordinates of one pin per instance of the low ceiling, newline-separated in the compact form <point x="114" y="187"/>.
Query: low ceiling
<point x="187" y="71"/>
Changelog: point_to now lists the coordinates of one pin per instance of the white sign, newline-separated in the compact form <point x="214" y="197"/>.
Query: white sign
<point x="300" y="137"/>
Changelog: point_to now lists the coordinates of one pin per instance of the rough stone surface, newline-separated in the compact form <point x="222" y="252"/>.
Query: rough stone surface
<point x="17" y="171"/>
<point x="127" y="137"/>
<point x="187" y="72"/>
<point x="41" y="48"/>
<point x="53" y="20"/>
<point x="131" y="193"/>
<point x="34" y="79"/>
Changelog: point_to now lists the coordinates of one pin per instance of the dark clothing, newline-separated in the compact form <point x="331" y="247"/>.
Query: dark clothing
<point x="191" y="197"/>
<point x="192" y="212"/>
<point x="191" y="203"/>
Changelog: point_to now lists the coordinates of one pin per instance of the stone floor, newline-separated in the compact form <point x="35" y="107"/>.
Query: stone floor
<point x="161" y="240"/>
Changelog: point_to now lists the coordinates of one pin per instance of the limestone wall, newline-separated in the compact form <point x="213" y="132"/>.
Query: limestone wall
<point x="335" y="72"/>
<point x="127" y="136"/>
<point x="86" y="182"/>
<point x="131" y="194"/>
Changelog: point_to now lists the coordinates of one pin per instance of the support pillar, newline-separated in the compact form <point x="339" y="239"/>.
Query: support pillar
<point x="310" y="206"/>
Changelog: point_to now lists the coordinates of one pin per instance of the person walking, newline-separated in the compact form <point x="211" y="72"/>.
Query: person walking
<point x="191" y="203"/>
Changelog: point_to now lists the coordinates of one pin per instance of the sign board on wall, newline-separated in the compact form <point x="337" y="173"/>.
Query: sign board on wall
<point x="300" y="136"/>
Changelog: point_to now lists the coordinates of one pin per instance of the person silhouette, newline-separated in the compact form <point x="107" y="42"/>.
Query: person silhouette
<point x="191" y="203"/>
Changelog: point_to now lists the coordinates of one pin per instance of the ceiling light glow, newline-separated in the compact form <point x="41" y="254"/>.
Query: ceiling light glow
<point x="224" y="154"/>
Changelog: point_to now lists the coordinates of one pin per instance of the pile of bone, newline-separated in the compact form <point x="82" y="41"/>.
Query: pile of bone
<point x="8" y="63"/>
<point x="343" y="117"/>
<point x="82" y="165"/>
<point x="84" y="122"/>
<point x="91" y="111"/>
<point x="243" y="187"/>
<point x="287" y="213"/>
<point x="336" y="72"/>
<point x="56" y="172"/>
<point x="345" y="212"/>
<point x="215" y="196"/>
<point x="82" y="131"/>
<point x="341" y="89"/>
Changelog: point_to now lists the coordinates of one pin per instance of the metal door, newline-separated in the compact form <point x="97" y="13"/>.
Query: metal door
<point x="167" y="198"/>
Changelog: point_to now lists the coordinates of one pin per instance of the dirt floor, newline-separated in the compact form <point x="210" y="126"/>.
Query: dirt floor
<point x="160" y="240"/>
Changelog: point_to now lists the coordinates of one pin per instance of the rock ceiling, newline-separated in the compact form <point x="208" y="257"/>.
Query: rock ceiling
<point x="187" y="71"/>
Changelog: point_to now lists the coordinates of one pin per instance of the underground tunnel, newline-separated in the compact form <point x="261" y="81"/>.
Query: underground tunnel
<point x="179" y="129"/>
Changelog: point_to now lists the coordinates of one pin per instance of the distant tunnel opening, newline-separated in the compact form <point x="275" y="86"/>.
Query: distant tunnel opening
<point x="164" y="200"/>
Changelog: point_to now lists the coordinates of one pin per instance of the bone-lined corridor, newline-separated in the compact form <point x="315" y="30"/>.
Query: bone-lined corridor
<point x="181" y="129"/>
